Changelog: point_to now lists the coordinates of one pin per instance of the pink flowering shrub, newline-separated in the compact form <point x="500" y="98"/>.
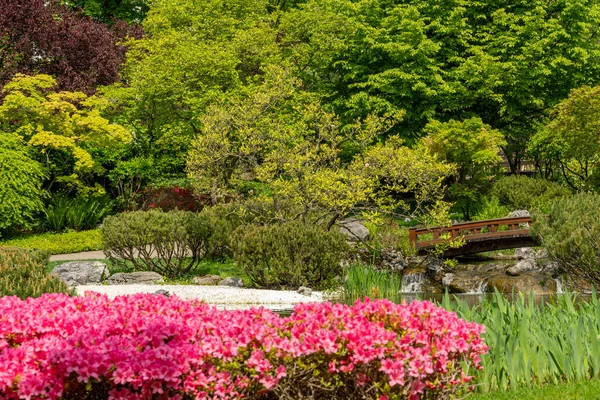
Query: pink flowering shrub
<point x="154" y="347"/>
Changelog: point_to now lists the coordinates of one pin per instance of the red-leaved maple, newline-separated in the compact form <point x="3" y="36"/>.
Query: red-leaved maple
<point x="38" y="36"/>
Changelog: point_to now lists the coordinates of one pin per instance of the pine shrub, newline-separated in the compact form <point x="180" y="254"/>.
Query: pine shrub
<point x="522" y="193"/>
<point x="171" y="243"/>
<point x="571" y="234"/>
<point x="289" y="255"/>
<point x="23" y="274"/>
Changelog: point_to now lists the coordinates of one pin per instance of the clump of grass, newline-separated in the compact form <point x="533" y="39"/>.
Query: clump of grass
<point x="364" y="281"/>
<point x="533" y="343"/>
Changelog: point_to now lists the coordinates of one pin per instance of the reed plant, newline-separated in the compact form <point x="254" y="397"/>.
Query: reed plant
<point x="535" y="343"/>
<point x="365" y="281"/>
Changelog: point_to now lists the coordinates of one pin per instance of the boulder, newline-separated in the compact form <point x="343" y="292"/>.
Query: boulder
<point x="518" y="214"/>
<point x="542" y="253"/>
<point x="392" y="260"/>
<point x="235" y="282"/>
<point x="524" y="253"/>
<point x="81" y="272"/>
<point x="305" y="291"/>
<point x="522" y="266"/>
<point x="161" y="292"/>
<point x="526" y="283"/>
<point x="552" y="269"/>
<point x="463" y="283"/>
<point x="126" y="278"/>
<point x="354" y="230"/>
<point x="207" y="280"/>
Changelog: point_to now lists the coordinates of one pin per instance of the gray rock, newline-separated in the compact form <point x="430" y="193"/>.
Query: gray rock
<point x="552" y="269"/>
<point x="522" y="266"/>
<point x="447" y="280"/>
<point x="542" y="253"/>
<point x="81" y="272"/>
<point x="435" y="266"/>
<point x="525" y="253"/>
<point x="305" y="291"/>
<point x="354" y="230"/>
<point x="235" y="282"/>
<point x="161" y="292"/>
<point x="392" y="260"/>
<point x="463" y="282"/>
<point x="144" y="277"/>
<point x="518" y="214"/>
<point x="208" y="280"/>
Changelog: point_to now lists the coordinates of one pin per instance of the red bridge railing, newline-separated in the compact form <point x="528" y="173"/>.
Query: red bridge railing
<point x="423" y="238"/>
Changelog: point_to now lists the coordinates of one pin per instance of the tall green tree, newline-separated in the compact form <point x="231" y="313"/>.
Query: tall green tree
<point x="506" y="62"/>
<point x="570" y="142"/>
<point x="195" y="53"/>
<point x="474" y="148"/>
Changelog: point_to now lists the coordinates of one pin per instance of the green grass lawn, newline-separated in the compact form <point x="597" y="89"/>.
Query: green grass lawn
<point x="59" y="243"/>
<point x="588" y="390"/>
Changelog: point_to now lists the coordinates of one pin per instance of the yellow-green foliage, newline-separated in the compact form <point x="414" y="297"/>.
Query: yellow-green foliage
<point x="275" y="135"/>
<point x="474" y="148"/>
<point x="65" y="128"/>
<point x="23" y="276"/>
<point x="60" y="243"/>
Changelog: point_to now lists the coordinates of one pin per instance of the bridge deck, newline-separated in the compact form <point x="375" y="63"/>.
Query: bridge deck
<point x="479" y="236"/>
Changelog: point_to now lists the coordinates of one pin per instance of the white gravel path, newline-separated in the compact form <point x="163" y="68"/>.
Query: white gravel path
<point x="223" y="297"/>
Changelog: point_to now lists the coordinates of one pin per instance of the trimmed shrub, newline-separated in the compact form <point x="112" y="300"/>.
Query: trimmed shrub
<point x="289" y="255"/>
<point x="59" y="243"/>
<point x="78" y="213"/>
<point x="170" y="243"/>
<point x="571" y="234"/>
<point x="96" y="348"/>
<point x="22" y="274"/>
<point x="522" y="193"/>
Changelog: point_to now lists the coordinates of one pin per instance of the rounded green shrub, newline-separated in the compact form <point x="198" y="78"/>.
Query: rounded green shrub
<point x="23" y="274"/>
<point x="523" y="193"/>
<point x="171" y="243"/>
<point x="571" y="234"/>
<point x="289" y="255"/>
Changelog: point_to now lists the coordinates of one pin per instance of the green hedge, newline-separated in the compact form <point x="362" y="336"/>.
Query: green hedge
<point x="289" y="255"/>
<point x="59" y="243"/>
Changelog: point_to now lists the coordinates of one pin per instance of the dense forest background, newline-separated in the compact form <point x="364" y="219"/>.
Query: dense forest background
<point x="340" y="106"/>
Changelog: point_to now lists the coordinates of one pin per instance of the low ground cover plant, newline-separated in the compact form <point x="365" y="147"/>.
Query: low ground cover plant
<point x="75" y="213"/>
<point x="59" y="243"/>
<point x="92" y="347"/>
<point x="23" y="274"/>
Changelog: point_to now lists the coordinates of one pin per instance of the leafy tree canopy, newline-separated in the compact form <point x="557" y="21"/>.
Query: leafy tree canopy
<point x="44" y="37"/>
<point x="570" y="142"/>
<point x="65" y="128"/>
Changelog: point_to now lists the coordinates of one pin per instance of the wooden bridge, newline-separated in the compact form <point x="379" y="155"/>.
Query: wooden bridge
<point x="479" y="236"/>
